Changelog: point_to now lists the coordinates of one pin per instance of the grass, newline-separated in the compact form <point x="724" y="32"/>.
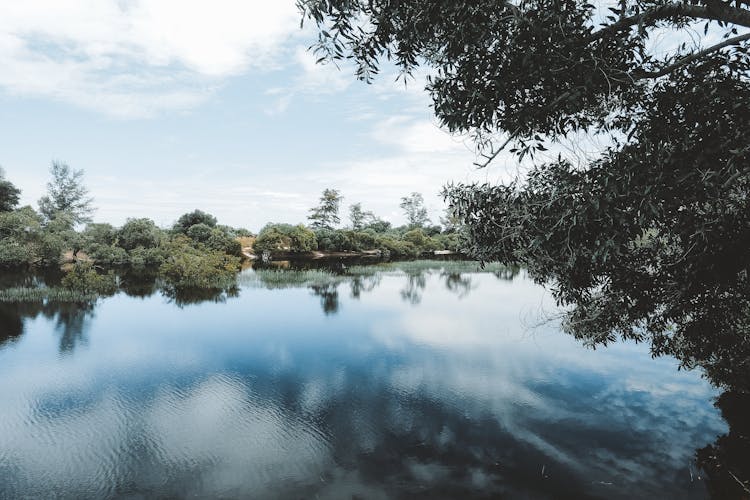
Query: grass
<point x="290" y="278"/>
<point x="417" y="266"/>
<point x="51" y="294"/>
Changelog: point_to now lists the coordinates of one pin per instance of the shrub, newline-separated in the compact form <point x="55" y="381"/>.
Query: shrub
<point x="142" y="258"/>
<point x="108" y="254"/>
<point x="187" y="266"/>
<point x="285" y="238"/>
<point x="199" y="232"/>
<point x="83" y="278"/>
<point x="139" y="233"/>
<point x="392" y="247"/>
<point x="186" y="221"/>
<point x="221" y="241"/>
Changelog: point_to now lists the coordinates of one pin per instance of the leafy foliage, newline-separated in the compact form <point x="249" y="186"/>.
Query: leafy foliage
<point x="188" y="266"/>
<point x="82" y="277"/>
<point x="66" y="196"/>
<point x="186" y="221"/>
<point x="326" y="215"/>
<point x="9" y="194"/>
<point x="139" y="233"/>
<point x="648" y="238"/>
<point x="360" y="218"/>
<point x="285" y="238"/>
<point x="414" y="209"/>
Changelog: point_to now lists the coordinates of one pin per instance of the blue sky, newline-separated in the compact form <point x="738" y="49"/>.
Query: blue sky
<point x="174" y="105"/>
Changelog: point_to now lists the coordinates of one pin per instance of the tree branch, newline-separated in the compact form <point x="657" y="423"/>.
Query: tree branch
<point x="691" y="57"/>
<point x="715" y="12"/>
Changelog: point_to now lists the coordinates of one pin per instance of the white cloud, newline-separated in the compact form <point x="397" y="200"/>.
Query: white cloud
<point x="137" y="57"/>
<point x="314" y="79"/>
<point x="418" y="136"/>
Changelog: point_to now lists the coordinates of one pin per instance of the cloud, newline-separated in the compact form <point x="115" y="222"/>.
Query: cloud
<point x="135" y="58"/>
<point x="313" y="79"/>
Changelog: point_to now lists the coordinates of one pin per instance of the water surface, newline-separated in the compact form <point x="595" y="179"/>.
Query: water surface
<point x="416" y="381"/>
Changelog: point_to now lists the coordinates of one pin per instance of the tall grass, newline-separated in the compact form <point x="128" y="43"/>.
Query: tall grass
<point x="41" y="294"/>
<point x="290" y="278"/>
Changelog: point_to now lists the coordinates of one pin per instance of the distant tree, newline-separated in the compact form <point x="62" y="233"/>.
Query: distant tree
<point x="139" y="233"/>
<point x="186" y="221"/>
<point x="199" y="232"/>
<point x="378" y="225"/>
<point x="285" y="238"/>
<point x="451" y="221"/>
<point x="326" y="215"/>
<point x="413" y="207"/>
<point x="67" y="195"/>
<point x="9" y="194"/>
<point x="358" y="217"/>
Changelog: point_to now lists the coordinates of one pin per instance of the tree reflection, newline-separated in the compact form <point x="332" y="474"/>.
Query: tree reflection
<point x="70" y="322"/>
<point x="182" y="297"/>
<point x="727" y="461"/>
<point x="329" y="297"/>
<point x="360" y="284"/>
<point x="415" y="285"/>
<point x="457" y="283"/>
<point x="11" y="323"/>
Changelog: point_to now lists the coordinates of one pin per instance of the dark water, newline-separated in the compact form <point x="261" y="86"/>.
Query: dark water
<point x="429" y="383"/>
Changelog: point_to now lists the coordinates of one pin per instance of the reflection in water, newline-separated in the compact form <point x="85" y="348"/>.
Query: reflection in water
<point x="329" y="297"/>
<point x="728" y="459"/>
<point x="380" y="396"/>
<point x="415" y="283"/>
<point x="70" y="320"/>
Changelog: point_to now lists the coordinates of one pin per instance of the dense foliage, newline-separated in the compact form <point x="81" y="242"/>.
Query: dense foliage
<point x="650" y="235"/>
<point x="9" y="194"/>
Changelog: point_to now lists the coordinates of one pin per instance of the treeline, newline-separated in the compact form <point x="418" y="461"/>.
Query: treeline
<point x="365" y="231"/>
<point x="196" y="251"/>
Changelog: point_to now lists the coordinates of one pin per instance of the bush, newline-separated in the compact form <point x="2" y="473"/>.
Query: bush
<point x="189" y="267"/>
<point x="221" y="241"/>
<point x="199" y="232"/>
<point x="83" y="278"/>
<point x="186" y="221"/>
<point x="143" y="258"/>
<point x="139" y="233"/>
<point x="285" y="238"/>
<point x="107" y="254"/>
<point x="98" y="234"/>
<point x="396" y="248"/>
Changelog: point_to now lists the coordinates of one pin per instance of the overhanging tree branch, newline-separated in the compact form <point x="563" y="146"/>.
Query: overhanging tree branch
<point x="715" y="12"/>
<point x="692" y="57"/>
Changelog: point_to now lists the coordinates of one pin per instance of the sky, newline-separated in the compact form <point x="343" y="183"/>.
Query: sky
<point x="173" y="105"/>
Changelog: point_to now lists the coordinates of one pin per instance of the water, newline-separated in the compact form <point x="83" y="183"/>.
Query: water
<point x="411" y="382"/>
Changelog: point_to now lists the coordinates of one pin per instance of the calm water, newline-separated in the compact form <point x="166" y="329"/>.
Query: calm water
<point x="426" y="383"/>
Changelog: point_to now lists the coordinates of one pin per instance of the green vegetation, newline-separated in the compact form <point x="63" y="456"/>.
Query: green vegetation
<point x="196" y="252"/>
<point x="66" y="196"/>
<point x="326" y="214"/>
<point x="285" y="238"/>
<point x="9" y="194"/>
<point x="535" y="75"/>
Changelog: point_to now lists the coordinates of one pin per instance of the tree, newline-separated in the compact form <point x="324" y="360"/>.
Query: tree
<point x="326" y="215"/>
<point x="413" y="207"/>
<point x="647" y="238"/>
<point x="360" y="218"/>
<point x="67" y="195"/>
<point x="9" y="194"/>
<point x="139" y="233"/>
<point x="186" y="221"/>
